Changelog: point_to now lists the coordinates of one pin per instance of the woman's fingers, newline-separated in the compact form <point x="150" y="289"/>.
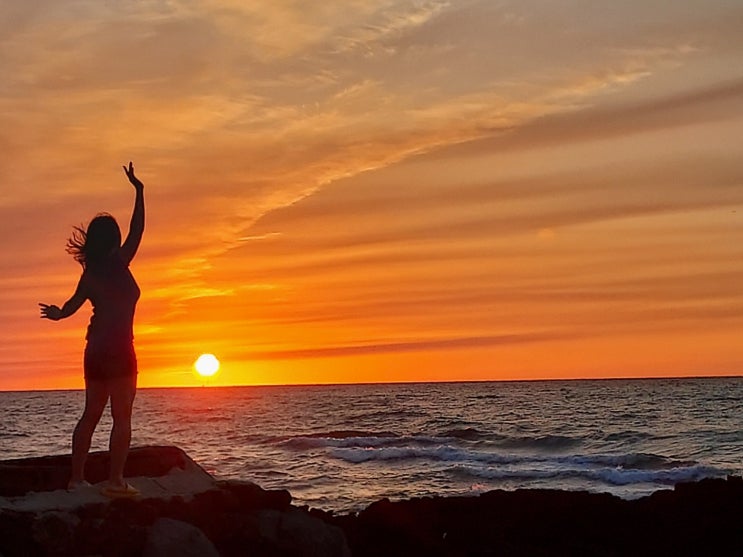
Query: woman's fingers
<point x="49" y="311"/>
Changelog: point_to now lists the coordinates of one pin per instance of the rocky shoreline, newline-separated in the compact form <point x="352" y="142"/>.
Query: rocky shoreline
<point x="184" y="511"/>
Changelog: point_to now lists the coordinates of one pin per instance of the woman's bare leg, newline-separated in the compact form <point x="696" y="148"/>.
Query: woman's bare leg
<point x="122" y="391"/>
<point x="96" y="396"/>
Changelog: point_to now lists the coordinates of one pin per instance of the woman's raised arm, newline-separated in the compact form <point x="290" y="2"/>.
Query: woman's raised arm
<point x="136" y="226"/>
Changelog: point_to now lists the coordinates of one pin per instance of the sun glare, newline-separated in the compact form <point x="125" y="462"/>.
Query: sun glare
<point x="206" y="365"/>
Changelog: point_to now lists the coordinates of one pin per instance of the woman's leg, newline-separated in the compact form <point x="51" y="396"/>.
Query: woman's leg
<point x="96" y="396"/>
<point x="122" y="391"/>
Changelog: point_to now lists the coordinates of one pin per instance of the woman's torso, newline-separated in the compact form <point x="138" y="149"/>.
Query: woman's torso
<point x="113" y="292"/>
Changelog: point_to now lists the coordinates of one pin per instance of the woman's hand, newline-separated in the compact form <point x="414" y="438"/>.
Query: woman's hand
<point x="50" y="312"/>
<point x="136" y="182"/>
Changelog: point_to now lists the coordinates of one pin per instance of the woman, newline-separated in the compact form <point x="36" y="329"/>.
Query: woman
<point x="110" y="363"/>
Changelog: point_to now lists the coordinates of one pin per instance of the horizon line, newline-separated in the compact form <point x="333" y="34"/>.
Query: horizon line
<point x="434" y="382"/>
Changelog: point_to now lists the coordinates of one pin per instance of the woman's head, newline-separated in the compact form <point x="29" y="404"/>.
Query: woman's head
<point x="97" y="243"/>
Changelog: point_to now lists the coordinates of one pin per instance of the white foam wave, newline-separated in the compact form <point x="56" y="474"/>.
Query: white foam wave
<point x="370" y="442"/>
<point x="641" y="461"/>
<point x="440" y="453"/>
<point x="449" y="453"/>
<point x="608" y="476"/>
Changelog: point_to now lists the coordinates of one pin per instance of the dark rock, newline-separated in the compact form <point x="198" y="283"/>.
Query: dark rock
<point x="54" y="532"/>
<point x="48" y="473"/>
<point x="16" y="535"/>
<point x="252" y="496"/>
<point x="296" y="533"/>
<point x="172" y="538"/>
<point x="695" y="519"/>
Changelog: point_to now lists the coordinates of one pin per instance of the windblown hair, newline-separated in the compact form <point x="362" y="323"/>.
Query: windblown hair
<point x="92" y="247"/>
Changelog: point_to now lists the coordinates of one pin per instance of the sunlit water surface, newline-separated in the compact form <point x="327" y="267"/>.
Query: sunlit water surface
<point x="342" y="447"/>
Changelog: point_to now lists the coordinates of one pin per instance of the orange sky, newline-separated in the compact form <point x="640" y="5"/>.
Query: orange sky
<point x="381" y="190"/>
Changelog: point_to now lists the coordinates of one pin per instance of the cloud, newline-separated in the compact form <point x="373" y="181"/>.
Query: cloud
<point x="400" y="214"/>
<point x="281" y="146"/>
<point x="386" y="26"/>
<point x="408" y="346"/>
<point x="711" y="103"/>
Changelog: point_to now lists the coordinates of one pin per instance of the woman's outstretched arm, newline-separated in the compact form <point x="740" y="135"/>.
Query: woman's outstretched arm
<point x="70" y="306"/>
<point x="136" y="226"/>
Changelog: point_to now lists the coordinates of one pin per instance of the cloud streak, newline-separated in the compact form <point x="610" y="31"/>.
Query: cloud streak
<point x="408" y="346"/>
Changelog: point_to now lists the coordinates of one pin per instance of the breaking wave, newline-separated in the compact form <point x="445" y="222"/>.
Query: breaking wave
<point x="540" y="442"/>
<point x="368" y="439"/>
<point x="477" y="454"/>
<point x="608" y="476"/>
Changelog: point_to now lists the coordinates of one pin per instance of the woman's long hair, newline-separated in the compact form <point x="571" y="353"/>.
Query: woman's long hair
<point x="92" y="247"/>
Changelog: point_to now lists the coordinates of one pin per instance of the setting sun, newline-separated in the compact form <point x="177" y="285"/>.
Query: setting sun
<point x="206" y="365"/>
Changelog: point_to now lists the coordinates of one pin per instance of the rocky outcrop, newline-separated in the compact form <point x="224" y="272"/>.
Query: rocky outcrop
<point x="184" y="511"/>
<point x="48" y="473"/>
<point x="702" y="518"/>
<point x="230" y="519"/>
<point x="173" y="538"/>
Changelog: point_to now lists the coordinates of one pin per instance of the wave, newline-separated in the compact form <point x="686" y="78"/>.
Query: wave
<point x="357" y="439"/>
<point x="333" y="434"/>
<point x="613" y="470"/>
<point x="607" y="476"/>
<point x="729" y="437"/>
<point x="456" y="446"/>
<point x="437" y="453"/>
<point x="465" y="433"/>
<point x="7" y="434"/>
<point x="386" y="415"/>
<point x="440" y="453"/>
<point x="307" y="443"/>
<point x="489" y="397"/>
<point x="449" y="453"/>
<point x="350" y="434"/>
<point x="635" y="461"/>
<point x="463" y="436"/>
<point x="626" y="436"/>
<point x="540" y="442"/>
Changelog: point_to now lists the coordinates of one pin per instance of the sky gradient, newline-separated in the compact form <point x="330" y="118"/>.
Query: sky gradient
<point x="381" y="190"/>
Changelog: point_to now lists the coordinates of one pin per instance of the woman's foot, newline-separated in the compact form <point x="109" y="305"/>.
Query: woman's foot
<point x="123" y="491"/>
<point x="75" y="484"/>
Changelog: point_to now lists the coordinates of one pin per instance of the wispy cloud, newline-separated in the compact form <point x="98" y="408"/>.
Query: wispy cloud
<point x="408" y="346"/>
<point x="281" y="144"/>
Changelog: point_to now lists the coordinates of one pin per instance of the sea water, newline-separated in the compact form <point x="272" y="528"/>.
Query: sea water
<point x="341" y="447"/>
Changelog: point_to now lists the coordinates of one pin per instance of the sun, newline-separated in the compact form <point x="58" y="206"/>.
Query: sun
<point x="206" y="365"/>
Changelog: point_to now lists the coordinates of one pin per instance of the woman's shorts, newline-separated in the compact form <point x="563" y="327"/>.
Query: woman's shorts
<point x="106" y="362"/>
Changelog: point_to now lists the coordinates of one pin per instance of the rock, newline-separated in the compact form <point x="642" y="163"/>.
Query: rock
<point x="172" y="538"/>
<point x="702" y="518"/>
<point x="49" y="473"/>
<point x="252" y="496"/>
<point x="16" y="534"/>
<point x="54" y="531"/>
<point x="296" y="533"/>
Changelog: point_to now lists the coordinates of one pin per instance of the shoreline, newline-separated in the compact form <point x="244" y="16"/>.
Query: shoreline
<point x="183" y="510"/>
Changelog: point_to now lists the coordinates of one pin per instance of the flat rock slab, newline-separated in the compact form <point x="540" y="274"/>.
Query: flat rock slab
<point x="39" y="484"/>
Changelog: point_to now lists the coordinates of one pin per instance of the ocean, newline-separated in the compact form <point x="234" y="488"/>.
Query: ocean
<point x="342" y="447"/>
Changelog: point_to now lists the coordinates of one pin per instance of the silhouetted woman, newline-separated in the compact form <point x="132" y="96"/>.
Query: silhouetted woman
<point x="110" y="363"/>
